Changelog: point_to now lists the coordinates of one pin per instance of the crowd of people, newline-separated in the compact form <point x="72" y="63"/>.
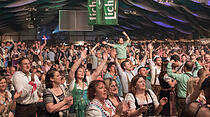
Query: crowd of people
<point x="124" y="79"/>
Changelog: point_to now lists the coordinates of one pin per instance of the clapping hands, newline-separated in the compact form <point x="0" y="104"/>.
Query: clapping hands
<point x="143" y="109"/>
<point x="122" y="108"/>
<point x="68" y="100"/>
<point x="163" y="101"/>
<point x="17" y="95"/>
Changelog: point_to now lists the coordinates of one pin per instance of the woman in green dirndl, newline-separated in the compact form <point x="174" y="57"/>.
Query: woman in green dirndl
<point x="79" y="84"/>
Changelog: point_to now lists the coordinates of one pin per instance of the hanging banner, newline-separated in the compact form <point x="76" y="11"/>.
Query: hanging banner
<point x="99" y="12"/>
<point x="91" y="12"/>
<point x="111" y="12"/>
<point x="103" y="12"/>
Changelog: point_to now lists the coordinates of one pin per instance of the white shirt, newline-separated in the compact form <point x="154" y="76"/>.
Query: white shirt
<point x="167" y="78"/>
<point x="155" y="71"/>
<point x="51" y="56"/>
<point x="132" y="60"/>
<point x="94" y="111"/>
<point x="130" y="98"/>
<point x="21" y="83"/>
<point x="71" y="86"/>
<point x="126" y="76"/>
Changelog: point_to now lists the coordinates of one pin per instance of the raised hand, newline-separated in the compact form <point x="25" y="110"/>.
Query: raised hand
<point x="150" y="47"/>
<point x="113" y="53"/>
<point x="146" y="52"/>
<point x="104" y="42"/>
<point x="172" y="61"/>
<point x="84" y="54"/>
<point x="33" y="75"/>
<point x="98" y="44"/>
<point x="163" y="101"/>
<point x="124" y="33"/>
<point x="105" y="55"/>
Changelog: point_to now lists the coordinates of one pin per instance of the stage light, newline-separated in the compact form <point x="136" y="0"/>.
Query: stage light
<point x="55" y="30"/>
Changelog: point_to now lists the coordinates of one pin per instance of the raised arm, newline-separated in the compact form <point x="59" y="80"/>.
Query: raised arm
<point x="76" y="65"/>
<point x="171" y="74"/>
<point x="151" y="63"/>
<point x="43" y="45"/>
<point x="143" y="61"/>
<point x="100" y="67"/>
<point x="32" y="51"/>
<point x="198" y="67"/>
<point x="92" y="50"/>
<point x="197" y="86"/>
<point x="126" y="35"/>
<point x="150" y="47"/>
<point x="109" y="44"/>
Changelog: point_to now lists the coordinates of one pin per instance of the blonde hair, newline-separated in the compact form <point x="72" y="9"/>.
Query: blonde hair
<point x="108" y="82"/>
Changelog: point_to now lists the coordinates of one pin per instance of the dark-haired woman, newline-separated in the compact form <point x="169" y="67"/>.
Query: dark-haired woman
<point x="15" y="55"/>
<point x="6" y="57"/>
<point x="143" y="102"/>
<point x="57" y="100"/>
<point x="167" y="90"/>
<point x="79" y="84"/>
<point x="99" y="106"/>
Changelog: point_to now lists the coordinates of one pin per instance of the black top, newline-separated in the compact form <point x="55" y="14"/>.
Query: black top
<point x="49" y="98"/>
<point x="163" y="83"/>
<point x="150" y="106"/>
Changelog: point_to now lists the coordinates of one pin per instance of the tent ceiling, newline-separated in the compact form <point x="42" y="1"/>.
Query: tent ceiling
<point x="146" y="18"/>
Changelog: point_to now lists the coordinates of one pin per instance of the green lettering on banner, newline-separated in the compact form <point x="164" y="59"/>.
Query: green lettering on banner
<point x="111" y="12"/>
<point x="91" y="12"/>
<point x="99" y="12"/>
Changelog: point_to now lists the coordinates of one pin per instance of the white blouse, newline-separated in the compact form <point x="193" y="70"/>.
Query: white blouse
<point x="130" y="98"/>
<point x="71" y="85"/>
<point x="98" y="111"/>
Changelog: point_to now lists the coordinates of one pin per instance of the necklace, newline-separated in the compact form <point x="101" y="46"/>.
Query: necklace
<point x="116" y="98"/>
<point x="102" y="109"/>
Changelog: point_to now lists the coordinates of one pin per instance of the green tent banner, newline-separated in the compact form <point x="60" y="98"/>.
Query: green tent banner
<point x="103" y="12"/>
<point x="111" y="12"/>
<point x="91" y="12"/>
